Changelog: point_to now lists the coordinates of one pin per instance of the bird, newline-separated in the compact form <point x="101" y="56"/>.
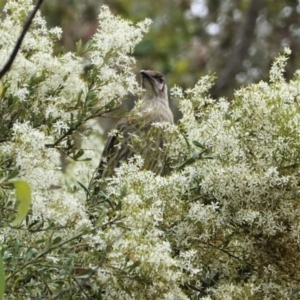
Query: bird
<point x="135" y="133"/>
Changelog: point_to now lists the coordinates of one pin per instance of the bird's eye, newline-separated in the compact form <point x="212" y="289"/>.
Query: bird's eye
<point x="160" y="79"/>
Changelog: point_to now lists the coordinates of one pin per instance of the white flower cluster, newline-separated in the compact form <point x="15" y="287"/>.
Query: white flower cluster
<point x="247" y="200"/>
<point x="146" y="202"/>
<point x="113" y="41"/>
<point x="46" y="84"/>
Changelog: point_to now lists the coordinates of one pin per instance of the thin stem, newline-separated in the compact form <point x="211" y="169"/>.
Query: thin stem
<point x="20" y="40"/>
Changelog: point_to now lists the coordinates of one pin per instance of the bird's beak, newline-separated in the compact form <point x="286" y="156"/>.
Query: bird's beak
<point x="148" y="76"/>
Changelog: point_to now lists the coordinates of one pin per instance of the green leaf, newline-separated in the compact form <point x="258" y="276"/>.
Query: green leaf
<point x="78" y="154"/>
<point x="31" y="252"/>
<point x="85" y="159"/>
<point x="12" y="174"/>
<point x="196" y="156"/>
<point x="3" y="90"/>
<point x="2" y="278"/>
<point x="57" y="240"/>
<point x="78" y="47"/>
<point x="133" y="266"/>
<point x="83" y="48"/>
<point x="197" y="144"/>
<point x="23" y="196"/>
<point x="79" y="101"/>
<point x="84" y="187"/>
<point x="101" y="217"/>
<point x="186" y="163"/>
<point x="108" y="54"/>
<point x="85" y="274"/>
<point x="186" y="140"/>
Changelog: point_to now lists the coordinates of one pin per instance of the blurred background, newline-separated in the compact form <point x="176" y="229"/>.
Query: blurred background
<point x="234" y="40"/>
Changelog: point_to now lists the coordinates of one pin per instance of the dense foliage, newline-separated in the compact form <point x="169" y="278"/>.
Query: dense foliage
<point x="224" y="224"/>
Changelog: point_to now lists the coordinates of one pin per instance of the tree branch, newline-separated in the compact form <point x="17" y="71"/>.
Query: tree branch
<point x="20" y="39"/>
<point x="240" y="50"/>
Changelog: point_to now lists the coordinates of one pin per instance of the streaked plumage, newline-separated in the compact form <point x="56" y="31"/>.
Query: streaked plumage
<point x="135" y="133"/>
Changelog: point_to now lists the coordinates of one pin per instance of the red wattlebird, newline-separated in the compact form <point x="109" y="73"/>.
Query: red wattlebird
<point x="135" y="133"/>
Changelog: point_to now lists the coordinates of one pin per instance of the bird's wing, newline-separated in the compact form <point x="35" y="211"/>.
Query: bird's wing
<point x="122" y="145"/>
<point x="116" y="148"/>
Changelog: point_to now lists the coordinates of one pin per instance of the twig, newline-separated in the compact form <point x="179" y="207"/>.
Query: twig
<point x="82" y="289"/>
<point x="70" y="130"/>
<point x="93" y="272"/>
<point x="45" y="252"/>
<point x="20" y="39"/>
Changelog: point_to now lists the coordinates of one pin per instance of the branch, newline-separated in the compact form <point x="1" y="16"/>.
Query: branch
<point x="240" y="50"/>
<point x="20" y="40"/>
<point x="93" y="271"/>
<point x="98" y="113"/>
<point x="45" y="252"/>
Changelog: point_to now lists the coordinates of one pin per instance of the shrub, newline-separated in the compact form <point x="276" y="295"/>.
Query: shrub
<point x="223" y="225"/>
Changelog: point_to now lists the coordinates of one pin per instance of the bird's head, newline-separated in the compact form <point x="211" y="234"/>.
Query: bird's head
<point x="155" y="86"/>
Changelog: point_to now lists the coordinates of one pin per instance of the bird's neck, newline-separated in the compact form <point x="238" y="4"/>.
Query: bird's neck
<point x="154" y="100"/>
<point x="149" y="107"/>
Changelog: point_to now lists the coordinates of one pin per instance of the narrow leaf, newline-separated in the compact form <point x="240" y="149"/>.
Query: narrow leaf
<point x="84" y="187"/>
<point x="12" y="174"/>
<point x="197" y="144"/>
